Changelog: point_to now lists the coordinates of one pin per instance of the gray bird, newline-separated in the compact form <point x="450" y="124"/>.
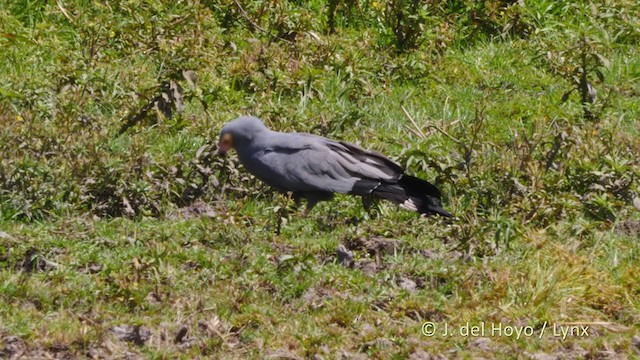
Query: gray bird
<point x="314" y="167"/>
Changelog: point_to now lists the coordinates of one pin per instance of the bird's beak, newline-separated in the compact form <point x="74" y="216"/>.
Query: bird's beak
<point x="222" y="150"/>
<point x="225" y="144"/>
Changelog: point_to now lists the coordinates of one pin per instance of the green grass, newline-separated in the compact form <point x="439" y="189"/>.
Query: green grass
<point x="101" y="230"/>
<point x="287" y="291"/>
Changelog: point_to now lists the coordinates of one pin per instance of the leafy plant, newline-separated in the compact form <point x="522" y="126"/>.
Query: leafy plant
<point x="584" y="58"/>
<point x="406" y="20"/>
<point x="582" y="66"/>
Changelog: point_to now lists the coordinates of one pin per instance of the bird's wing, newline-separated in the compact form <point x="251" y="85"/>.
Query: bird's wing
<point x="314" y="163"/>
<point x="366" y="163"/>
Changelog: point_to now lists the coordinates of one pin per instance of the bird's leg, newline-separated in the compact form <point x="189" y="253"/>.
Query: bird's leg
<point x="313" y="197"/>
<point x="368" y="202"/>
<point x="283" y="213"/>
<point x="278" y="225"/>
<point x="297" y="198"/>
<point x="311" y="202"/>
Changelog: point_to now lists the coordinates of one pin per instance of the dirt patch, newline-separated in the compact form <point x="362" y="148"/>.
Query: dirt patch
<point x="367" y="254"/>
<point x="13" y="347"/>
<point x="565" y="354"/>
<point x="635" y="342"/>
<point x="373" y="245"/>
<point x="92" y="268"/>
<point x="195" y="210"/>
<point x="282" y="354"/>
<point x="379" y="343"/>
<point x="181" y="335"/>
<point x="345" y="256"/>
<point x="629" y="227"/>
<point x="422" y="355"/>
<point x="481" y="343"/>
<point x="368" y="266"/>
<point x="315" y="297"/>
<point x="345" y="355"/>
<point x="407" y="284"/>
<point x="575" y="351"/>
<point x="378" y="247"/>
<point x="136" y="334"/>
<point x="190" y="265"/>
<point x="422" y="314"/>
<point x="34" y="261"/>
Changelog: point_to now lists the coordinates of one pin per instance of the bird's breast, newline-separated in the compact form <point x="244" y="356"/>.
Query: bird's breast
<point x="263" y="165"/>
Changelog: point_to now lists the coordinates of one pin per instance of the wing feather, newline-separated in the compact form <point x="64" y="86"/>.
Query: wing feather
<point x="313" y="163"/>
<point x="366" y="164"/>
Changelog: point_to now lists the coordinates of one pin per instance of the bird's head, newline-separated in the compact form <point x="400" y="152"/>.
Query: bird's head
<point x="238" y="133"/>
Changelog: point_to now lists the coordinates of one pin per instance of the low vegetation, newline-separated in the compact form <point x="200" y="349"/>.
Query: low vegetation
<point x="122" y="234"/>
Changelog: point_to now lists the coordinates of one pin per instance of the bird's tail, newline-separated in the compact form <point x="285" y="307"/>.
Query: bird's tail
<point x="413" y="194"/>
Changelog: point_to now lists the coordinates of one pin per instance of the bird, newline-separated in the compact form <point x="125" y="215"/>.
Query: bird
<point x="314" y="168"/>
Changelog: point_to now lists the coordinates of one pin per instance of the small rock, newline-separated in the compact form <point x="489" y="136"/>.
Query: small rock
<point x="366" y="329"/>
<point x="310" y="295"/>
<point x="373" y="245"/>
<point x="423" y="355"/>
<point x="635" y="342"/>
<point x="33" y="261"/>
<point x="420" y="355"/>
<point x="369" y="267"/>
<point x="153" y="298"/>
<point x="636" y="203"/>
<point x="607" y="354"/>
<point x="12" y="345"/>
<point x="180" y="336"/>
<point x="379" y="343"/>
<point x="314" y="298"/>
<point x="95" y="268"/>
<point x="4" y="235"/>
<point x="382" y="343"/>
<point x="324" y="349"/>
<point x="629" y="227"/>
<point x="407" y="284"/>
<point x="191" y="77"/>
<point x="345" y="256"/>
<point x="428" y="254"/>
<point x="540" y="356"/>
<point x="93" y="353"/>
<point x="212" y="327"/>
<point x="381" y="245"/>
<point x="282" y="354"/>
<point x="128" y="355"/>
<point x="197" y="209"/>
<point x="136" y="334"/>
<point x="351" y="356"/>
<point x="482" y="343"/>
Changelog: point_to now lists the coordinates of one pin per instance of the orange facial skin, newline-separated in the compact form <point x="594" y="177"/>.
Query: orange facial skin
<point x="225" y="144"/>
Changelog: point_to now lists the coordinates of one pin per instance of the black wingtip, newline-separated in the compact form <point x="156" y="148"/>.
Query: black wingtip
<point x="413" y="194"/>
<point x="433" y="206"/>
<point x="418" y="187"/>
<point x="441" y="212"/>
